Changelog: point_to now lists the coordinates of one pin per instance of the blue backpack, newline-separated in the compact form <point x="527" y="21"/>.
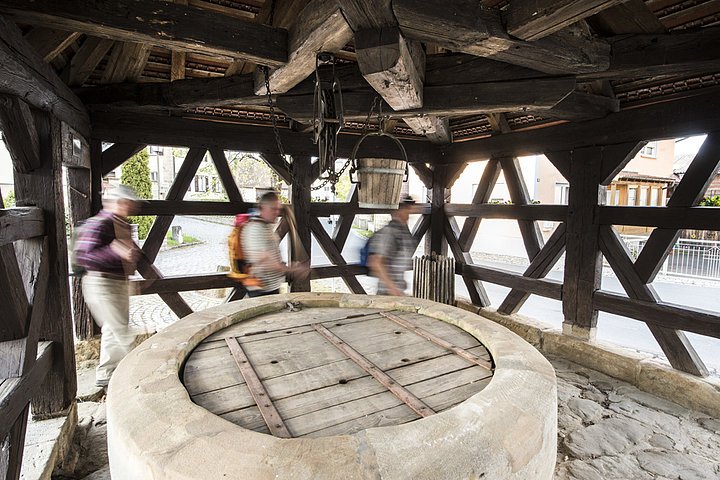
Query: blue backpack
<point x="365" y="253"/>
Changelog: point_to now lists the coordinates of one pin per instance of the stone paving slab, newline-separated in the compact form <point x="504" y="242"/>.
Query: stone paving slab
<point x="608" y="429"/>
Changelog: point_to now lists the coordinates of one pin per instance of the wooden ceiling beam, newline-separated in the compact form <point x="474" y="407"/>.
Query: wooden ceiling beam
<point x="631" y="16"/>
<point x="134" y="127"/>
<point x="582" y="106"/>
<point x="27" y="76"/>
<point x="157" y="22"/>
<point x="126" y="62"/>
<point x="690" y="116"/>
<point x="86" y="60"/>
<point x="449" y="100"/>
<point x="49" y="42"/>
<point x="320" y="27"/>
<point x="465" y="26"/>
<point x="534" y="19"/>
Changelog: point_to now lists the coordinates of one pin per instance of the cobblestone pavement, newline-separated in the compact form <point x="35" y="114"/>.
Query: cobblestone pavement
<point x="610" y="430"/>
<point x="607" y="430"/>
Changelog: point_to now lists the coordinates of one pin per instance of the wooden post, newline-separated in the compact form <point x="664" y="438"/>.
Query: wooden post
<point x="300" y="200"/>
<point x="583" y="260"/>
<point x="96" y="175"/>
<point x="436" y="242"/>
<point x="43" y="188"/>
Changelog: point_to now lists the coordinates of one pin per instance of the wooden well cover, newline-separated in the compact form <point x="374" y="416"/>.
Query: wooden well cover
<point x="333" y="371"/>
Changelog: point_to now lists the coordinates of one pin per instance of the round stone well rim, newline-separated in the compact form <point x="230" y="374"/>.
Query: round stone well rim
<point x="156" y="431"/>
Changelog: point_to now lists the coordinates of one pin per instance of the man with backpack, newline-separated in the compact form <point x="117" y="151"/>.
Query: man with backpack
<point x="106" y="251"/>
<point x="391" y="250"/>
<point x="261" y="249"/>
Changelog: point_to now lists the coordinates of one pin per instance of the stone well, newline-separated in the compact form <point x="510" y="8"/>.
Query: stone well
<point x="506" y="431"/>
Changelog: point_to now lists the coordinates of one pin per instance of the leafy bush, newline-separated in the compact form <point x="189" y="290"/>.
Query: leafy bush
<point x="9" y="200"/>
<point x="136" y="174"/>
<point x="710" y="201"/>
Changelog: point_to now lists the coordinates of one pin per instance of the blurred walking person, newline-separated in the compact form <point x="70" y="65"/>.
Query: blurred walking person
<point x="261" y="247"/>
<point x="391" y="250"/>
<point x="106" y="251"/>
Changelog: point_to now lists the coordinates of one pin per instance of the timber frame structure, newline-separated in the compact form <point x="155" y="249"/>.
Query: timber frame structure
<point x="587" y="83"/>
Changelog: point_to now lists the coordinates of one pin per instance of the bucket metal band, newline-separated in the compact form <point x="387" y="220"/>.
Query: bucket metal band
<point x="394" y="171"/>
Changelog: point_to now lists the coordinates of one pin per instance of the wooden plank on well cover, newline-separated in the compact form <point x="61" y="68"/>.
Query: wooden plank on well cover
<point x="404" y="395"/>
<point x="315" y="388"/>
<point x="271" y="416"/>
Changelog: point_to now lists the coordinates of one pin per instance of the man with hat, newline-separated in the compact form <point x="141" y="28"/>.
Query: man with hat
<point x="106" y="251"/>
<point x="391" y="250"/>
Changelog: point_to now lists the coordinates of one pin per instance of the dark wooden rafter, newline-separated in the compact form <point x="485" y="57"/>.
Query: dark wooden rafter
<point x="35" y="81"/>
<point x="530" y="231"/>
<point x="131" y="127"/>
<point x="226" y="177"/>
<point x="177" y="58"/>
<point x="689" y="218"/>
<point x="20" y="223"/>
<point x="689" y="192"/>
<point x="498" y="122"/>
<point x="628" y="17"/>
<point x="86" y="60"/>
<point x="176" y="192"/>
<point x="335" y="255"/>
<point x="126" y="63"/>
<point x="344" y="224"/>
<point x="548" y="212"/>
<point x="300" y="198"/>
<point x="49" y="42"/>
<point x="422" y="225"/>
<point x="535" y="19"/>
<point x="319" y="27"/>
<point x="489" y="177"/>
<point x="172" y="299"/>
<point x="117" y="154"/>
<point x="21" y="137"/>
<point x="424" y="173"/>
<point x="465" y="26"/>
<point x="279" y="165"/>
<point x="674" y="343"/>
<point x="160" y="23"/>
<point x="540" y="266"/>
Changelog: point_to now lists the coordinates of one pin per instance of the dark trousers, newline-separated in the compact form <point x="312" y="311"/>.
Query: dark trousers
<point x="262" y="293"/>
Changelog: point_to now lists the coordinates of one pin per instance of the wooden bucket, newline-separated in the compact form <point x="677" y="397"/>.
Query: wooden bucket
<point x="379" y="179"/>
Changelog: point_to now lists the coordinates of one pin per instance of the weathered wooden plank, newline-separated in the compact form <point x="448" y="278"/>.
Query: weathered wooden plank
<point x="535" y="19"/>
<point x="489" y="177"/>
<point x="400" y="392"/>
<point x="677" y="348"/>
<point x="35" y="82"/>
<point x="173" y="300"/>
<point x="184" y="283"/>
<point x="319" y="27"/>
<point x="176" y="192"/>
<point x="281" y="167"/>
<point x="334" y="254"/>
<point x="692" y="116"/>
<point x="538" y="268"/>
<point x="20" y="223"/>
<point x="392" y="65"/>
<point x="270" y="414"/>
<point x="193" y="207"/>
<point x="226" y="176"/>
<point x="465" y="26"/>
<point x="126" y="63"/>
<point x="616" y="157"/>
<point x="689" y="192"/>
<point x="325" y="209"/>
<point x="631" y="16"/>
<point x="582" y="106"/>
<point x="424" y="173"/>
<point x="49" y="42"/>
<point x="438" y="341"/>
<point x="436" y="129"/>
<point x="691" y="218"/>
<point x="132" y="127"/>
<point x="477" y="292"/>
<point x="43" y="188"/>
<point x="543" y="287"/>
<point x="301" y="247"/>
<point x="117" y="154"/>
<point x="20" y="136"/>
<point x="86" y="60"/>
<point x="344" y="224"/>
<point x="554" y="213"/>
<point x="173" y="26"/>
<point x="667" y="315"/>
<point x="529" y="229"/>
<point x="12" y="296"/>
<point x="420" y="229"/>
<point x="333" y="271"/>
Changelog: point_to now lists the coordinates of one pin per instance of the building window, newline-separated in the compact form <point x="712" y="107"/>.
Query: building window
<point x="154" y="176"/>
<point x="655" y="197"/>
<point x="155" y="150"/>
<point x="643" y="196"/>
<point x="632" y="195"/>
<point x="649" y="150"/>
<point x="562" y="191"/>
<point x="616" y="198"/>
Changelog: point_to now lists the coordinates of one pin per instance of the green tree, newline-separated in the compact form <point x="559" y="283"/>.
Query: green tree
<point x="710" y="201"/>
<point x="136" y="174"/>
<point x="9" y="199"/>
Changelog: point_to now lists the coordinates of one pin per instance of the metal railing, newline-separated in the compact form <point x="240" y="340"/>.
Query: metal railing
<point x="688" y="258"/>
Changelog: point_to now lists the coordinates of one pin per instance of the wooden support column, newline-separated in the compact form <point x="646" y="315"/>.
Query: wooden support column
<point x="583" y="261"/>
<point x="95" y="175"/>
<point x="443" y="178"/>
<point x="300" y="201"/>
<point x="43" y="188"/>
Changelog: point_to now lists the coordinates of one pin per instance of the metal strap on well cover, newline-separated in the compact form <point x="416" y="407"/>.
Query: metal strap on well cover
<point x="417" y="405"/>
<point x="439" y="341"/>
<point x="268" y="411"/>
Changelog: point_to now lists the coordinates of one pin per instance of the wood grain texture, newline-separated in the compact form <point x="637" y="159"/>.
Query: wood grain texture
<point x="49" y="42"/>
<point x="20" y="136"/>
<point x="176" y="27"/>
<point x="529" y="229"/>
<point x="117" y="154"/>
<point x="20" y="223"/>
<point x="86" y="60"/>
<point x="535" y="19"/>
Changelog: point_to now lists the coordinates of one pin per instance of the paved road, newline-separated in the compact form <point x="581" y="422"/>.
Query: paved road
<point x="206" y="257"/>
